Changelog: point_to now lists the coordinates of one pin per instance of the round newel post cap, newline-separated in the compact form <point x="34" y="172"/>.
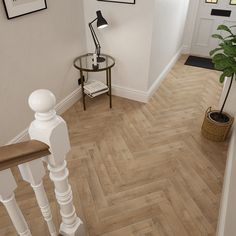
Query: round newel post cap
<point x="42" y="101"/>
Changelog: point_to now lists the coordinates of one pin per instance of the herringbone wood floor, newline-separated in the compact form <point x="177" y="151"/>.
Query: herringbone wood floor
<point x="141" y="169"/>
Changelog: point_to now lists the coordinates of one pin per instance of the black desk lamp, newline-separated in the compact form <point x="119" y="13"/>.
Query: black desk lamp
<point x="101" y="23"/>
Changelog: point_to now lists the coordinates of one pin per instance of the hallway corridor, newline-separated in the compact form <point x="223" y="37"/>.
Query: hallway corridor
<point x="141" y="169"/>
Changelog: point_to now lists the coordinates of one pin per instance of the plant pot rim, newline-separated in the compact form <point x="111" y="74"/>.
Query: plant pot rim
<point x="209" y="112"/>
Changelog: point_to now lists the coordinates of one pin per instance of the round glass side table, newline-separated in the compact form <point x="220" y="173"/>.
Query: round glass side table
<point x="84" y="63"/>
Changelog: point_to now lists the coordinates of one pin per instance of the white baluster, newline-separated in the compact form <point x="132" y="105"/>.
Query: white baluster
<point x="33" y="173"/>
<point x="7" y="197"/>
<point x="52" y="130"/>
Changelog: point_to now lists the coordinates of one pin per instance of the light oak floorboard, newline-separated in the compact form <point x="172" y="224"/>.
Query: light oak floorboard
<point x="141" y="169"/>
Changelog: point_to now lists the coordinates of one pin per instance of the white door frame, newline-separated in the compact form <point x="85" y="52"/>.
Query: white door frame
<point x="190" y="25"/>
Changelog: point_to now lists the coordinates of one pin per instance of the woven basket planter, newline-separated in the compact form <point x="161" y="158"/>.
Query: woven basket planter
<point x="213" y="130"/>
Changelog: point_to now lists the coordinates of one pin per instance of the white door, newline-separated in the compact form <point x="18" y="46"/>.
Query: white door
<point x="207" y="22"/>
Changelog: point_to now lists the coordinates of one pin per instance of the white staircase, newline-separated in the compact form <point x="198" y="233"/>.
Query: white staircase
<point x="49" y="129"/>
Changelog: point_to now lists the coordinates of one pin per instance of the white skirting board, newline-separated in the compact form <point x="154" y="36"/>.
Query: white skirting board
<point x="164" y="73"/>
<point x="136" y="95"/>
<point x="144" y="96"/>
<point x="69" y="101"/>
<point x="61" y="107"/>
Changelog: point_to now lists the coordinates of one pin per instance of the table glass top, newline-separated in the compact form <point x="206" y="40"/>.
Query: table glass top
<point x="85" y="63"/>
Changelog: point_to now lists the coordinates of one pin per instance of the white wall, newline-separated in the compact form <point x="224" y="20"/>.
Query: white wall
<point x="227" y="216"/>
<point x="144" y="38"/>
<point x="190" y="25"/>
<point x="147" y="32"/>
<point x="230" y="106"/>
<point x="226" y="224"/>
<point x="128" y="39"/>
<point x="167" y="38"/>
<point x="37" y="51"/>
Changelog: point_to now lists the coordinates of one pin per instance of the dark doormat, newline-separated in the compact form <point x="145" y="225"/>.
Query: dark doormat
<point x="200" y="62"/>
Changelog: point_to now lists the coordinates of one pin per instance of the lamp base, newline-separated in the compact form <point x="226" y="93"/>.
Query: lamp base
<point x="95" y="67"/>
<point x="100" y="59"/>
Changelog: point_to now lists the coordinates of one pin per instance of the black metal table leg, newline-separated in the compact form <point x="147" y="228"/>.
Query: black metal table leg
<point x="107" y="80"/>
<point x="110" y="94"/>
<point x="82" y="87"/>
<point x="107" y="77"/>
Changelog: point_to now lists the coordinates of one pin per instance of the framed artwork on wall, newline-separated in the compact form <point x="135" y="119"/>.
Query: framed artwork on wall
<point x="120" y="1"/>
<point x="16" y="8"/>
<point x="232" y="2"/>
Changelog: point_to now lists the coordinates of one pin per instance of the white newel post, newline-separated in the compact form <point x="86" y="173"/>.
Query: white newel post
<point x="52" y="130"/>
<point x="33" y="173"/>
<point x="7" y="197"/>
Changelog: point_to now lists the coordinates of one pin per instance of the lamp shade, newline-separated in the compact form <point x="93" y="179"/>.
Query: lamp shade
<point x="101" y="22"/>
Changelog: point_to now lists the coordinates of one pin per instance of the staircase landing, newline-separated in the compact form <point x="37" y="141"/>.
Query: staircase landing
<point x="142" y="169"/>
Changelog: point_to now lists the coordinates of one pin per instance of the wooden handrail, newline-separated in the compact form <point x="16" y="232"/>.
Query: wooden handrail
<point x="19" y="153"/>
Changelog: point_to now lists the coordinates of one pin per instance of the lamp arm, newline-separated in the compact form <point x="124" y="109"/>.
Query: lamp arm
<point x="95" y="38"/>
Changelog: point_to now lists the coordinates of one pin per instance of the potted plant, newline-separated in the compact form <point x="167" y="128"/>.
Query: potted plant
<point x="217" y="123"/>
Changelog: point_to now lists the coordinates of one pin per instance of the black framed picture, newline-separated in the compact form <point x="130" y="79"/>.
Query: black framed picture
<point x="120" y="1"/>
<point x="16" y="8"/>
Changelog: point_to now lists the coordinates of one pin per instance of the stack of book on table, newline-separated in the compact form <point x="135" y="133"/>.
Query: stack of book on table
<point x="94" y="88"/>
